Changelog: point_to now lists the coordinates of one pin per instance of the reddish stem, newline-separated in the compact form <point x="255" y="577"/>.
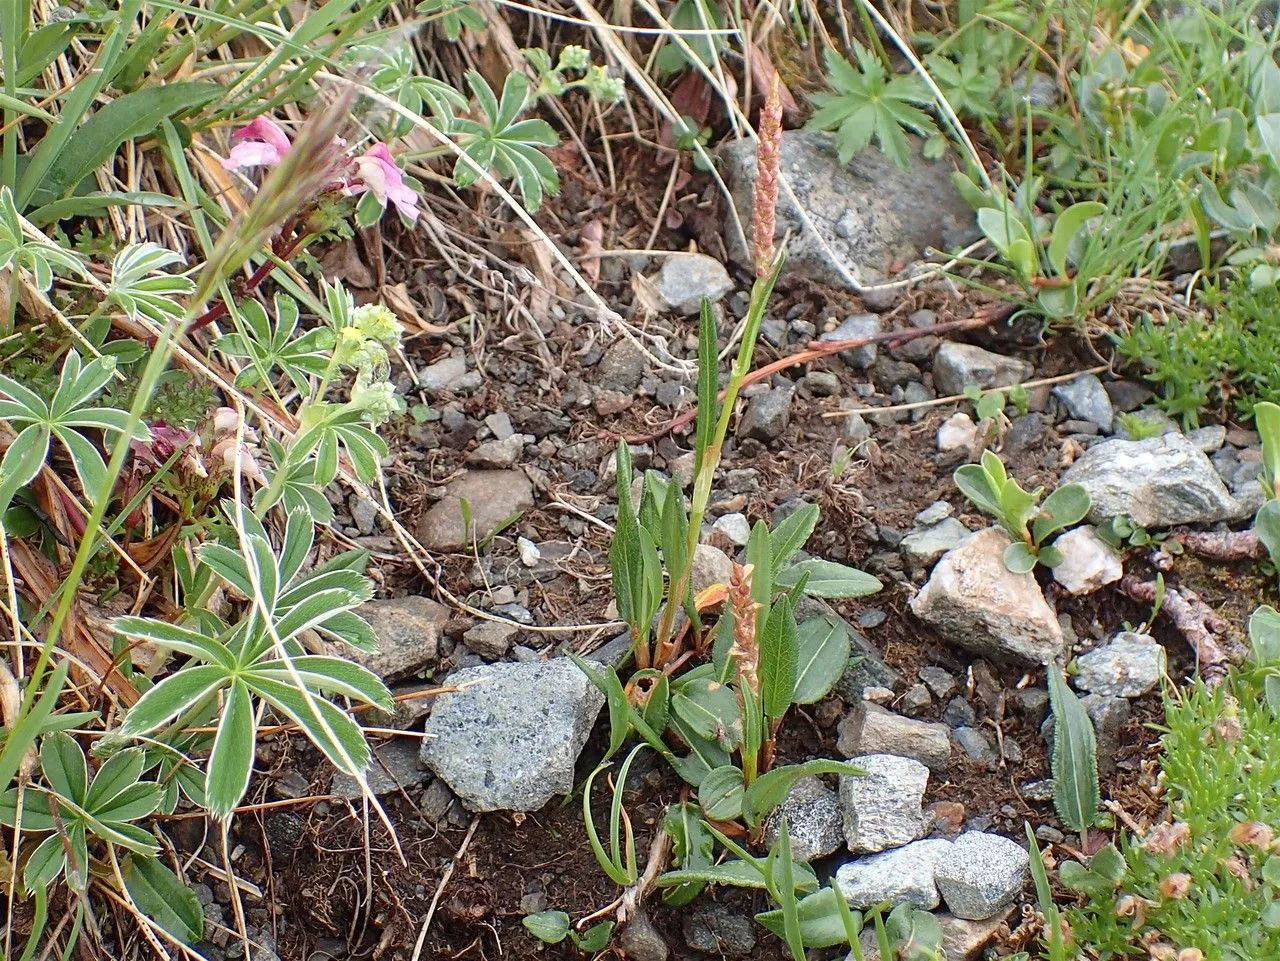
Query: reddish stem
<point x="281" y="249"/>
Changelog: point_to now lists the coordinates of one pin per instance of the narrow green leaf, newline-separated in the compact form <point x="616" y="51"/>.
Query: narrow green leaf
<point x="791" y="534"/>
<point x="231" y="760"/>
<point x="708" y="382"/>
<point x="779" y="653"/>
<point x="65" y="767"/>
<point x="829" y="579"/>
<point x="766" y="792"/>
<point x="1076" y="794"/>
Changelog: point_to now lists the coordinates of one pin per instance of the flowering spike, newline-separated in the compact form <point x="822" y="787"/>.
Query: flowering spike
<point x="765" y="197"/>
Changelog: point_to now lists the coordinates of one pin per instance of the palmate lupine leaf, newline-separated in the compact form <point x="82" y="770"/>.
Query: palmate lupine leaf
<point x="867" y="104"/>
<point x="261" y="659"/>
<point x="37" y="257"/>
<point x="504" y="144"/>
<point x="271" y="347"/>
<point x="141" y="288"/>
<point x="62" y="417"/>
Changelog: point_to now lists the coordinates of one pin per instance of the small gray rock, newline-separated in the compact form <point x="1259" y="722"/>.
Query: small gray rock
<point x="500" y="424"/>
<point x="959" y="713"/>
<point x="714" y="929"/>
<point x="408" y="630"/>
<point x="814" y="820"/>
<point x="941" y="682"/>
<point x="710" y="566"/>
<point x="768" y="414"/>
<point x="961" y="940"/>
<point x="493" y="495"/>
<point x="904" y="875"/>
<point x="957" y="365"/>
<point x="443" y="374"/>
<point x="870" y="729"/>
<point x="925" y="545"/>
<point x="822" y="383"/>
<point x="497" y="454"/>
<point x="510" y="739"/>
<point x="394" y="766"/>
<point x="976" y="746"/>
<point x="1130" y="666"/>
<point x="916" y="700"/>
<point x="1088" y="562"/>
<point x="935" y="512"/>
<point x="1086" y="399"/>
<point x="1159" y="482"/>
<point x="854" y="327"/>
<point x="640" y="940"/>
<point x="685" y="279"/>
<point x="854" y="429"/>
<point x="1208" y="439"/>
<point x="735" y="527"/>
<point x="883" y="808"/>
<point x="981" y="874"/>
<point x="622" y="367"/>
<point x="490" y="639"/>
<point x="974" y="600"/>
<point x="364" y="515"/>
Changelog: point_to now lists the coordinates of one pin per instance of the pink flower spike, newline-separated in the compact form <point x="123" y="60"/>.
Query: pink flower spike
<point x="259" y="144"/>
<point x="377" y="171"/>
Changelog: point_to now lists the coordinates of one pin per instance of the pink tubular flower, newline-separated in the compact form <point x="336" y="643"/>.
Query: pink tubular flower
<point x="261" y="144"/>
<point x="377" y="171"/>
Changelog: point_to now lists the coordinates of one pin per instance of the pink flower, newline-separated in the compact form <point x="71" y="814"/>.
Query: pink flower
<point x="261" y="144"/>
<point x="377" y="171"/>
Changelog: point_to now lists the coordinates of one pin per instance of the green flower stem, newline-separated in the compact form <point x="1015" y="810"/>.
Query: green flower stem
<point x="760" y="293"/>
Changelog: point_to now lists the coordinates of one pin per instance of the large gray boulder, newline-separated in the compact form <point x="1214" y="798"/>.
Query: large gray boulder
<point x="972" y="599"/>
<point x="509" y="739"/>
<point x="859" y="218"/>
<point x="1158" y="482"/>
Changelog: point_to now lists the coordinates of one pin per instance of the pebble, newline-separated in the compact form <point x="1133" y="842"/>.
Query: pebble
<point x="1087" y="400"/>
<point x="975" y="601"/>
<point x="883" y="808"/>
<point x="408" y="630"/>
<point x="529" y="553"/>
<point x="490" y="639"/>
<point x="767" y="414"/>
<point x="903" y="875"/>
<point x="493" y="496"/>
<point x="641" y="941"/>
<point x="941" y="682"/>
<point x="853" y="327"/>
<point x="1130" y="666"/>
<point x="815" y="823"/>
<point x="498" y="454"/>
<point x="500" y="425"/>
<point x="735" y="527"/>
<point x="1088" y="562"/>
<point x="854" y="429"/>
<point x="822" y="383"/>
<point x="916" y="700"/>
<point x="443" y="374"/>
<point x="957" y="433"/>
<point x="981" y="874"/>
<point x="922" y="547"/>
<point x="621" y="368"/>
<point x="976" y="745"/>
<point x="394" y="767"/>
<point x="957" y="365"/>
<point x="935" y="512"/>
<point x="870" y="729"/>
<point x="710" y="566"/>
<point x="712" y="928"/>
<point x="959" y="713"/>
<point x="685" y="279"/>
<point x="364" y="515"/>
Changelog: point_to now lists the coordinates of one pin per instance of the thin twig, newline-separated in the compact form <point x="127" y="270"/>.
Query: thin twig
<point x="1194" y="619"/>
<point x="444" y="880"/>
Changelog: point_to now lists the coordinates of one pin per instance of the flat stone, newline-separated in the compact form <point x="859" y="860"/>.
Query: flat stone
<point x="976" y="746"/>
<point x="497" y="454"/>
<point x="904" y="875"/>
<point x="940" y="681"/>
<point x="956" y="366"/>
<point x="922" y="547"/>
<point x="973" y="600"/>
<point x="962" y="940"/>
<point x="443" y="374"/>
<point x="1086" y="399"/>
<point x="712" y="928"/>
<point x="883" y="807"/>
<point x="870" y="729"/>
<point x="510" y="740"/>
<point x="856" y="327"/>
<point x="935" y="512"/>
<point x="849" y="223"/>
<point x="493" y="496"/>
<point x="1088" y="562"/>
<point x="490" y="639"/>
<point x="980" y="875"/>
<point x="685" y="279"/>
<point x="641" y="941"/>
<point x="916" y="700"/>
<point x="767" y="414"/>
<point x="1158" y="482"/>
<point x="822" y="383"/>
<point x="1130" y="666"/>
<point x="394" y="767"/>
<point x="957" y="433"/>
<point x="500" y="424"/>
<point x="1208" y="439"/>
<point x="815" y="823"/>
<point x="408" y="631"/>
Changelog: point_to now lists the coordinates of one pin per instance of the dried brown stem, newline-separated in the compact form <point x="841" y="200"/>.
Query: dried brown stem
<point x="1224" y="545"/>
<point x="1194" y="619"/>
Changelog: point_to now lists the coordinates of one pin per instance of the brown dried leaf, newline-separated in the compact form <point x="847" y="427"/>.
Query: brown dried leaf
<point x="762" y="73"/>
<point x="592" y="237"/>
<point x="396" y="298"/>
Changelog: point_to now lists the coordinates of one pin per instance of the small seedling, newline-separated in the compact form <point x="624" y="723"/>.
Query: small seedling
<point x="989" y="488"/>
<point x="552" y="927"/>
